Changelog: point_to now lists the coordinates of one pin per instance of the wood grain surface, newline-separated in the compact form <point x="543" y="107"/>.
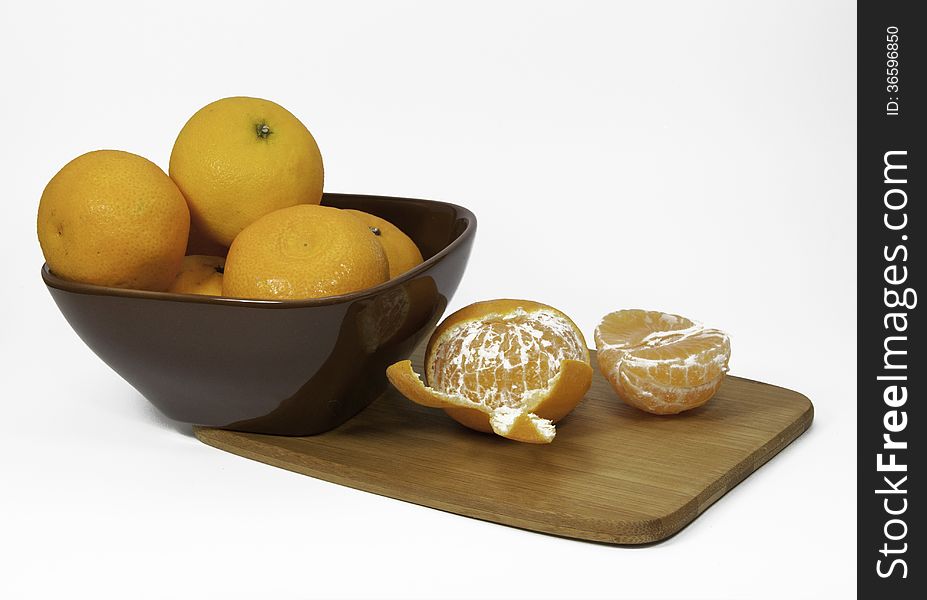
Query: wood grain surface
<point x="613" y="474"/>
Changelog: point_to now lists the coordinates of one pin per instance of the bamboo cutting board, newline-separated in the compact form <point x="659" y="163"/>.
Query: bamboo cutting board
<point x="613" y="474"/>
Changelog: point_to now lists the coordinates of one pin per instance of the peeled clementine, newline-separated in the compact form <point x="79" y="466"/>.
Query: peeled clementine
<point x="305" y="251"/>
<point x="661" y="363"/>
<point x="513" y="367"/>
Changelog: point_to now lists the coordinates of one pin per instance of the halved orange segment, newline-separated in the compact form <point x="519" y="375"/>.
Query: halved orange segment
<point x="512" y="367"/>
<point x="659" y="362"/>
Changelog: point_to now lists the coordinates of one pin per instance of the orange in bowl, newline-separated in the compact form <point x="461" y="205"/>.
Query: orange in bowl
<point x="304" y="251"/>
<point x="238" y="159"/>
<point x="401" y="251"/>
<point x="199" y="274"/>
<point x="112" y="218"/>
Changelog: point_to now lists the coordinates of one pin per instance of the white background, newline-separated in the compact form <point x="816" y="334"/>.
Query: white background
<point x="693" y="157"/>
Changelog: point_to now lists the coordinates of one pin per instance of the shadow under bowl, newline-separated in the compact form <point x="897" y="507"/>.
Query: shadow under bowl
<point x="296" y="367"/>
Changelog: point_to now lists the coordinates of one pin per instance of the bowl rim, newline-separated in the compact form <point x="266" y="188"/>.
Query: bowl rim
<point x="463" y="214"/>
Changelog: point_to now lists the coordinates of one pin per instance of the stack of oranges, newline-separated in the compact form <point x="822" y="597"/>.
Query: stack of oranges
<point x="238" y="215"/>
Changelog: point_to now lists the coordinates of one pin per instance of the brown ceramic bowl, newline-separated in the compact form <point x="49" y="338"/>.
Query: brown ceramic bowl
<point x="280" y="367"/>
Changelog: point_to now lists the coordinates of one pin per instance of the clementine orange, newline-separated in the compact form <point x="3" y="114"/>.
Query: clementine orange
<point x="305" y="251"/>
<point x="513" y="367"/>
<point x="116" y="219"/>
<point x="238" y="159"/>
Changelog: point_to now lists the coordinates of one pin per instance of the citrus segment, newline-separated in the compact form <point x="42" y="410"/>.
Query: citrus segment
<point x="659" y="362"/>
<point x="552" y="403"/>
